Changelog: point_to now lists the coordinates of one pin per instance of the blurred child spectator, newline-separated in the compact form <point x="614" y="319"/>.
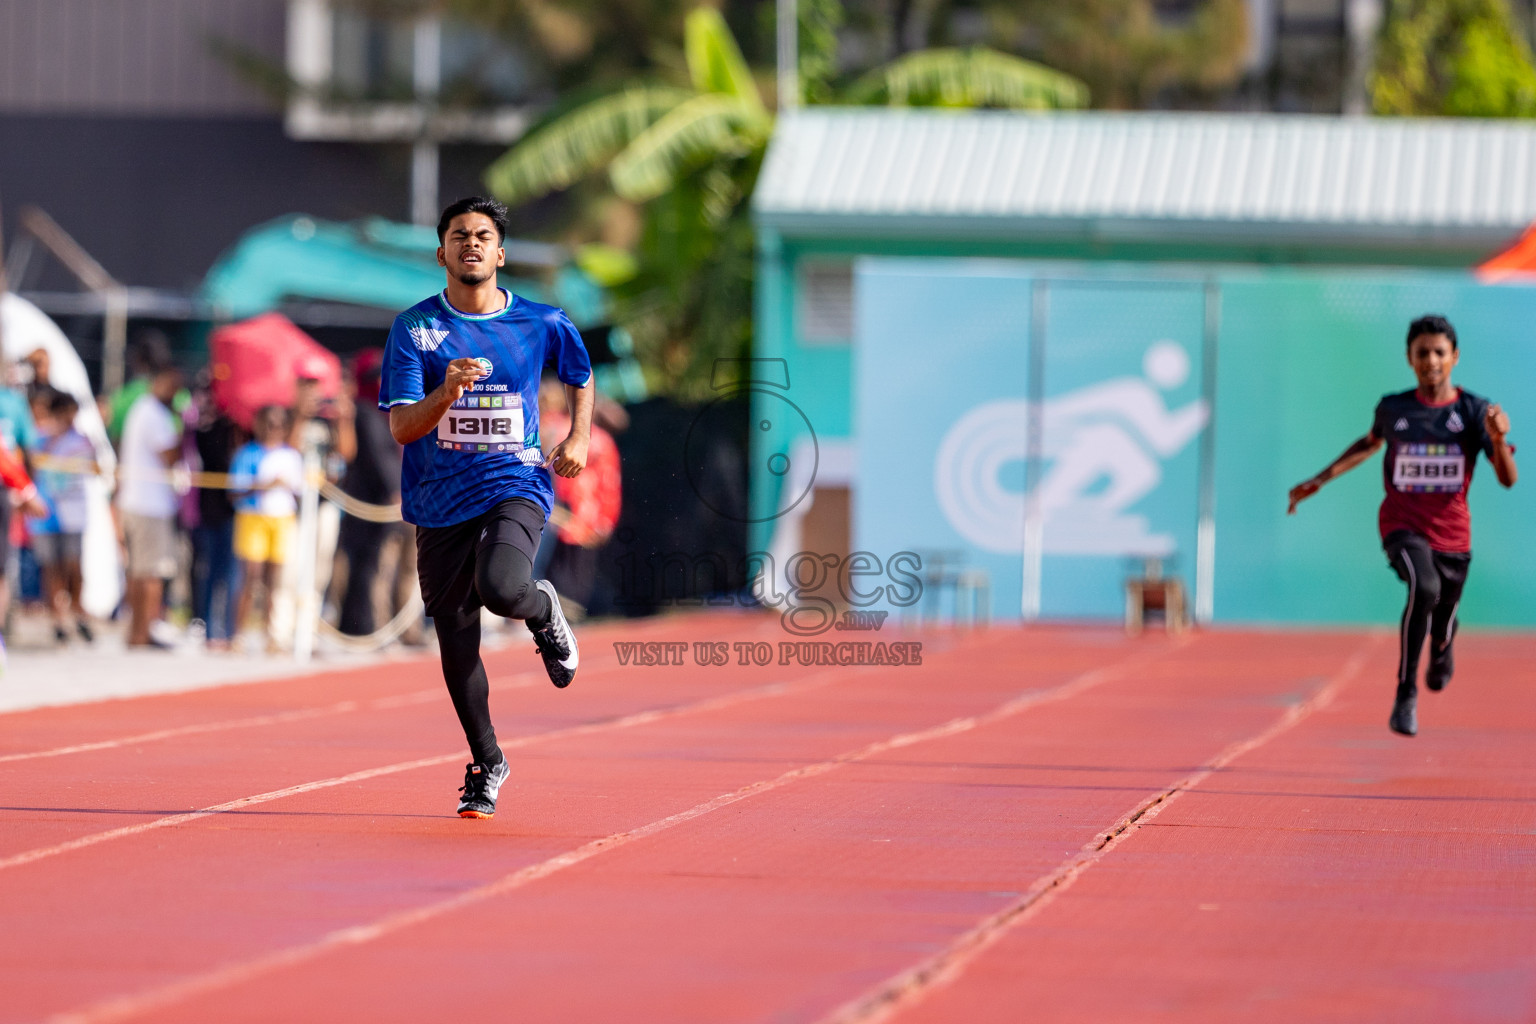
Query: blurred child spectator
<point x="17" y="491"/>
<point x="64" y="457"/>
<point x="17" y="434"/>
<point x="215" y="572"/>
<point x="267" y="476"/>
<point x="146" y="501"/>
<point x="17" y="431"/>
<point x="591" y="501"/>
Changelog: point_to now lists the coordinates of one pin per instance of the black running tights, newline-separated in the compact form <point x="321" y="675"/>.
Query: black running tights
<point x="504" y="582"/>
<point x="1434" y="579"/>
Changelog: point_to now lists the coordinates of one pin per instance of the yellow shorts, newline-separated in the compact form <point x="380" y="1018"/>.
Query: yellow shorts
<point x="260" y="538"/>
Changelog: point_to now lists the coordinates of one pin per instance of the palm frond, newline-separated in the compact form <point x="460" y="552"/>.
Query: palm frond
<point x="969" y="78"/>
<point x="705" y="128"/>
<point x="576" y="144"/>
<point x="715" y="61"/>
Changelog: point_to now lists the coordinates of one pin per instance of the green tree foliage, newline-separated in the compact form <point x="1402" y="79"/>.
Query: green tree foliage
<point x="819" y="22"/>
<point x="1461" y="58"/>
<point x="1122" y="49"/>
<point x="577" y="42"/>
<point x="968" y="78"/>
<point x="689" y="152"/>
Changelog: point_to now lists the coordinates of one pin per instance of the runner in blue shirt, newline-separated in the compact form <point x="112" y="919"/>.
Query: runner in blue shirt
<point x="461" y="380"/>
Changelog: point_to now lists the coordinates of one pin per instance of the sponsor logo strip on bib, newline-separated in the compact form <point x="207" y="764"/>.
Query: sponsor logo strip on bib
<point x="483" y="423"/>
<point x="1429" y="468"/>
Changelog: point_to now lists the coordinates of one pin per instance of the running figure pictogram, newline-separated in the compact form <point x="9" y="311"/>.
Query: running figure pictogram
<point x="461" y="382"/>
<point x="1104" y="446"/>
<point x="1433" y="434"/>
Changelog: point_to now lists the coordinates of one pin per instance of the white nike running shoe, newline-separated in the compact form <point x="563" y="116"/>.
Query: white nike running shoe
<point x="555" y="642"/>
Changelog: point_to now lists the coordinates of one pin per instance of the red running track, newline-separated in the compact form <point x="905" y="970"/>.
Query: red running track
<point x="1052" y="824"/>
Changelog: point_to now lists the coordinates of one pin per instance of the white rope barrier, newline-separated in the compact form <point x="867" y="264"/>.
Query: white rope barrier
<point x="308" y="621"/>
<point x="379" y="638"/>
<point x="358" y="508"/>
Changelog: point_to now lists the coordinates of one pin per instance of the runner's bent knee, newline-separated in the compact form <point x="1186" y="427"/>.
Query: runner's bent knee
<point x="504" y="579"/>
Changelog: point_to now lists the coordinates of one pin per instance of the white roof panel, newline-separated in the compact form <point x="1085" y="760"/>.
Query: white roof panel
<point x="840" y="168"/>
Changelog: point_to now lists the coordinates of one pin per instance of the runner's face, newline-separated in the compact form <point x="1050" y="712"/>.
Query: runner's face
<point x="1432" y="357"/>
<point x="471" y="249"/>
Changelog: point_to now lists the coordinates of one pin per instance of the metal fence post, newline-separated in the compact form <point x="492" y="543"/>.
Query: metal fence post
<point x="306" y="603"/>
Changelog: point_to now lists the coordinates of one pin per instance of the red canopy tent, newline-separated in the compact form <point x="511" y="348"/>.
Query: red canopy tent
<point x="260" y="361"/>
<point x="1518" y="261"/>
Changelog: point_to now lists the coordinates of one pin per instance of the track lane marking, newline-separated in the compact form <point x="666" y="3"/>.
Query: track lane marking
<point x="276" y="718"/>
<point x="518" y="681"/>
<point x="123" y="1007"/>
<point x="910" y="986"/>
<point x="647" y="716"/>
<point x="621" y="722"/>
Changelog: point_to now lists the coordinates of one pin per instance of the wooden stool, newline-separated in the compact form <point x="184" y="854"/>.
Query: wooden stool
<point x="1154" y="592"/>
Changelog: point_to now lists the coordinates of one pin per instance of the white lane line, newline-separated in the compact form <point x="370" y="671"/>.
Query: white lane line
<point x="277" y="718"/>
<point x="907" y="988"/>
<point x="119" y="1008"/>
<point x="522" y="679"/>
<point x="622" y="722"/>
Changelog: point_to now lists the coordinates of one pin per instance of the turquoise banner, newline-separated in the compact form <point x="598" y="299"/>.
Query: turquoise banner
<point x="1304" y="358"/>
<point x="1044" y="425"/>
<point x="938" y="344"/>
<point x="1120" y="419"/>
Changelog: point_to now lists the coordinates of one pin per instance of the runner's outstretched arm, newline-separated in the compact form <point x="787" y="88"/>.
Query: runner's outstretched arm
<point x="1355" y="454"/>
<point x="410" y="422"/>
<point x="570" y="456"/>
<point x="1496" y="422"/>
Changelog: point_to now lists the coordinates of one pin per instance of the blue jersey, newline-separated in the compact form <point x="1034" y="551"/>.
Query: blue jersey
<point x="485" y="449"/>
<point x="243" y="470"/>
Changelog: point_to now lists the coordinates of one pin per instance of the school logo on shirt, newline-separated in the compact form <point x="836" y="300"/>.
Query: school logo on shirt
<point x="1401" y="424"/>
<point x="1453" y="423"/>
<point x="427" y="339"/>
<point x="485" y="364"/>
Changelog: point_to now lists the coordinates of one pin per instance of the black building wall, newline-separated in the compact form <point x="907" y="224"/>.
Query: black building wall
<point x="156" y="200"/>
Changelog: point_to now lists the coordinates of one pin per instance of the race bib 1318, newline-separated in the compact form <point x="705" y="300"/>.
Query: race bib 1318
<point x="483" y="423"/>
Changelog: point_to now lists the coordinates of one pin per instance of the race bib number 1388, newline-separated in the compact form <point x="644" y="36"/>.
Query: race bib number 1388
<point x="483" y="423"/>
<point x="1429" y="468"/>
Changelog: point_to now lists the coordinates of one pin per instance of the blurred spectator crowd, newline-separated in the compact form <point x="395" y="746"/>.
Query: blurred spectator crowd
<point x="204" y="498"/>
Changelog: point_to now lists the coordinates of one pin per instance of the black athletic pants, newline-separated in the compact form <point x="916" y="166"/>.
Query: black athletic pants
<point x="487" y="560"/>
<point x="1434" y="579"/>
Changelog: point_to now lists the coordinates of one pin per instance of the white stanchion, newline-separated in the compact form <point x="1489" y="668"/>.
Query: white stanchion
<point x="298" y="606"/>
<point x="307" y="600"/>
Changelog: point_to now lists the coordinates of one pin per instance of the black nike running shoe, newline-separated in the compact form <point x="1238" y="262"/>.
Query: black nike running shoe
<point x="555" y="642"/>
<point x="481" y="784"/>
<point x="1405" y="718"/>
<point x="1442" y="663"/>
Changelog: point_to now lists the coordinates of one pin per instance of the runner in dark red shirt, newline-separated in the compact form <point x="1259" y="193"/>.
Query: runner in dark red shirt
<point x="1433" y="434"/>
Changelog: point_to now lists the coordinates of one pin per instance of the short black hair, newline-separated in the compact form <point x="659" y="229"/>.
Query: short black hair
<point x="1432" y="323"/>
<point x="62" y="403"/>
<point x="151" y="351"/>
<point x="474" y="204"/>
